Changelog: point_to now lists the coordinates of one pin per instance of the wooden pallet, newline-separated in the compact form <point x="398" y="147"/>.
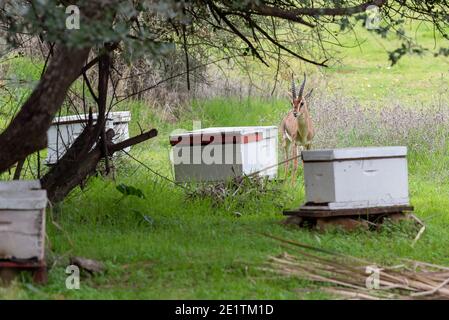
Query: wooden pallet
<point x="9" y="270"/>
<point x="319" y="217"/>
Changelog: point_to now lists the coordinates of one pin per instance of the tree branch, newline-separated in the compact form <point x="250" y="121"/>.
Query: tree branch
<point x="68" y="174"/>
<point x="236" y="31"/>
<point x="276" y="43"/>
<point x="27" y="132"/>
<point x="294" y="13"/>
<point x="89" y="86"/>
<point x="95" y="60"/>
<point x="103" y="78"/>
<point x="132" y="141"/>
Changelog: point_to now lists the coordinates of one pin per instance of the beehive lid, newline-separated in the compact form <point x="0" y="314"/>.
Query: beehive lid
<point x="20" y="185"/>
<point x="78" y="118"/>
<point x="353" y="153"/>
<point x="119" y="116"/>
<point x="22" y="195"/>
<point x="224" y="135"/>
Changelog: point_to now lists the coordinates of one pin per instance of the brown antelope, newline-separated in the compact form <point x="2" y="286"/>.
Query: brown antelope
<point x="296" y="127"/>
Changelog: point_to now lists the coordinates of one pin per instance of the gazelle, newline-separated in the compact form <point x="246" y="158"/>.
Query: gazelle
<point x="296" y="127"/>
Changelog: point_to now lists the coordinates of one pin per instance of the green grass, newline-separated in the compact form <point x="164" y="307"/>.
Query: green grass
<point x="366" y="73"/>
<point x="360" y="68"/>
<point x="22" y="74"/>
<point x="195" y="250"/>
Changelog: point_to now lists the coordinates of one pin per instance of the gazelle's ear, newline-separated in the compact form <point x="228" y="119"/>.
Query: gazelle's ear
<point x="290" y="95"/>
<point x="309" y="94"/>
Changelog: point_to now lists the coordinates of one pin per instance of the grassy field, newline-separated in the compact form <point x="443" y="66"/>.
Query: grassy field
<point x="360" y="68"/>
<point x="365" y="72"/>
<point x="193" y="249"/>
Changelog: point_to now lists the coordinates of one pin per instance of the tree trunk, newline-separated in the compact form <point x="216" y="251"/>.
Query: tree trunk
<point x="27" y="132"/>
<point x="81" y="159"/>
<point x="73" y="169"/>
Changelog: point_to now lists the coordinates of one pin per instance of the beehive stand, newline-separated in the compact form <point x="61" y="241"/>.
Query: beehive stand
<point x="352" y="187"/>
<point x="9" y="269"/>
<point x="320" y="216"/>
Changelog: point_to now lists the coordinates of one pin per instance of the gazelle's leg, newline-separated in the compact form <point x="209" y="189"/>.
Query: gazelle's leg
<point x="286" y="145"/>
<point x="295" y="161"/>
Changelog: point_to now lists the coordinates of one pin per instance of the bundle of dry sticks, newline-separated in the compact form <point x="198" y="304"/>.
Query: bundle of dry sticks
<point x="349" y="277"/>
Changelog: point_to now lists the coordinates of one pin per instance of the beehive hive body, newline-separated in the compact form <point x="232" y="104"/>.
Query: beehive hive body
<point x="65" y="130"/>
<point x="217" y="154"/>
<point x="22" y="220"/>
<point x="356" y="177"/>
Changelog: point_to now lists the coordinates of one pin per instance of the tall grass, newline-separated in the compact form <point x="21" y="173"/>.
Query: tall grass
<point x="339" y="123"/>
<point x="170" y="246"/>
<point x="344" y="122"/>
<point x="193" y="248"/>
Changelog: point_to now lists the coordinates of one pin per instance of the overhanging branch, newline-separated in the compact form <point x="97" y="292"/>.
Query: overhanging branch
<point x="236" y="31"/>
<point x="293" y="14"/>
<point x="266" y="35"/>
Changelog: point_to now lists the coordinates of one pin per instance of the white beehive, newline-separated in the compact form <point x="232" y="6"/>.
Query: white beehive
<point x="22" y="220"/>
<point x="356" y="177"/>
<point x="65" y="130"/>
<point x="217" y="154"/>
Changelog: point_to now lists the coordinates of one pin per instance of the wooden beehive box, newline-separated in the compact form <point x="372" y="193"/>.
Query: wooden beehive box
<point x="22" y="220"/>
<point x="65" y="130"/>
<point x="218" y="154"/>
<point x="356" y="177"/>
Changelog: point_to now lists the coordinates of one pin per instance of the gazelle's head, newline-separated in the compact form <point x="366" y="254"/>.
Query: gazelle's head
<point x="298" y="99"/>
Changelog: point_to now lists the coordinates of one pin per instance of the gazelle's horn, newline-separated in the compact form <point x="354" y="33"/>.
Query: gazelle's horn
<point x="293" y="88"/>
<point x="303" y="85"/>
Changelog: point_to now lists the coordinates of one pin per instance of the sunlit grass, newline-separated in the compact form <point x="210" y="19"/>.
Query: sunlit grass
<point x="195" y="250"/>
